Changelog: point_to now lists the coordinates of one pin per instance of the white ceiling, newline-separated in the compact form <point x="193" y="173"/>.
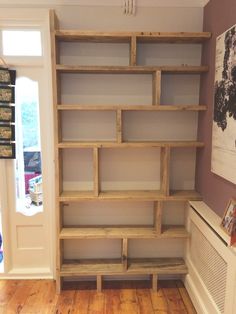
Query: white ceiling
<point x="139" y="3"/>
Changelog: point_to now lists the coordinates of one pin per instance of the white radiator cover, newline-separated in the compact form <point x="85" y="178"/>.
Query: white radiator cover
<point x="211" y="281"/>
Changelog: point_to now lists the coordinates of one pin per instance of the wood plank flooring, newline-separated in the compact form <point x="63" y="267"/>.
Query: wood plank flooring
<point x="118" y="297"/>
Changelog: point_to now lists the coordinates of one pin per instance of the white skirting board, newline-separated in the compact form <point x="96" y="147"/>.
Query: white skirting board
<point x="211" y="280"/>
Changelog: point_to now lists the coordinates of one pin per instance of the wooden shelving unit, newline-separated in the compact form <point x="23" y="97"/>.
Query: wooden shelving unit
<point x="124" y="265"/>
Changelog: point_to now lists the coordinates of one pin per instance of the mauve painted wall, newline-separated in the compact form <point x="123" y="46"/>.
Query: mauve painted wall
<point x="218" y="17"/>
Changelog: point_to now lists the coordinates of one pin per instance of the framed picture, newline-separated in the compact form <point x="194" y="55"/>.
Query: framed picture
<point x="228" y="222"/>
<point x="7" y="151"/>
<point x="223" y="156"/>
<point x="7" y="94"/>
<point x="7" y="132"/>
<point x="7" y="114"/>
<point x="7" y="77"/>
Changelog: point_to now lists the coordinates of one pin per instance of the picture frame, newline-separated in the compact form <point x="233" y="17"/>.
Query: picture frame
<point x="7" y="114"/>
<point x="7" y="77"/>
<point x="7" y="151"/>
<point x="7" y="132"/>
<point x="7" y="94"/>
<point x="228" y="223"/>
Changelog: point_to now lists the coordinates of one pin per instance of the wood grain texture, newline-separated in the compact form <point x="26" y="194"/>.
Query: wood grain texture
<point x="115" y="267"/>
<point x="144" y="107"/>
<point x="136" y="144"/>
<point x="162" y="37"/>
<point x="117" y="297"/>
<point x="165" y="170"/>
<point x="133" y="51"/>
<point x="119" y="126"/>
<point x="96" y="181"/>
<point x="180" y="195"/>
<point x="156" y="88"/>
<point x="131" y="232"/>
<point x="158" y="207"/>
<point x="89" y="69"/>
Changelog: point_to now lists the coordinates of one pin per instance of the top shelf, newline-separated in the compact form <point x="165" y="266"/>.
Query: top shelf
<point x="125" y="37"/>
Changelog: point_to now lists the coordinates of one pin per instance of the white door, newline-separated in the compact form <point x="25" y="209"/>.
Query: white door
<point x="27" y="184"/>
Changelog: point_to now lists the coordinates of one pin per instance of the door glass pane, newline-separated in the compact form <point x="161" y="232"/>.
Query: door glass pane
<point x="28" y="148"/>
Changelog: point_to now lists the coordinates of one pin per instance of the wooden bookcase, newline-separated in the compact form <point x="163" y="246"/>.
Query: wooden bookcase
<point x="123" y="265"/>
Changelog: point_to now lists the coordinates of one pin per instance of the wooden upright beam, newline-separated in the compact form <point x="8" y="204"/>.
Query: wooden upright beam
<point x="125" y="254"/>
<point x="156" y="88"/>
<point x="158" y="216"/>
<point x="133" y="51"/>
<point x="154" y="282"/>
<point x="119" y="126"/>
<point x="96" y="171"/>
<point x="99" y="283"/>
<point x="165" y="170"/>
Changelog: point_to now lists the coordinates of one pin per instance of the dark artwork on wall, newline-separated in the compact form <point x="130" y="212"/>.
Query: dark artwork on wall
<point x="7" y="94"/>
<point x="7" y="151"/>
<point x="224" y="119"/>
<point x="7" y="132"/>
<point x="7" y="76"/>
<point x="7" y="114"/>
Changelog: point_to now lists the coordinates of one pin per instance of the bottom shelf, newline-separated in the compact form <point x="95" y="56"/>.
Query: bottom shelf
<point x="115" y="267"/>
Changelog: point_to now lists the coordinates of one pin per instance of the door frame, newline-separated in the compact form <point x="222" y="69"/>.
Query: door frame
<point x="20" y="18"/>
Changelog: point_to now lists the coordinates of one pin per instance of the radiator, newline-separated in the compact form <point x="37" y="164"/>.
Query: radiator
<point x="211" y="281"/>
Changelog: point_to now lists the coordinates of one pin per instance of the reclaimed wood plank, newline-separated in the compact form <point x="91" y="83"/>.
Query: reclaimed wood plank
<point x="112" y="107"/>
<point x="144" y="300"/>
<point x="182" y="69"/>
<point x="185" y="297"/>
<point x="173" y="297"/>
<point x="133" y="51"/>
<point x="161" y="37"/>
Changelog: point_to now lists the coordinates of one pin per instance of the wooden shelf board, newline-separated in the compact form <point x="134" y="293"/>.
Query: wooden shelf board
<point x="132" y="107"/>
<point x="131" y="232"/>
<point x="91" y="267"/>
<point x="183" y="69"/>
<point x="116" y="37"/>
<point x="157" y="265"/>
<point x="111" y="144"/>
<point x="155" y="195"/>
<point x="112" y="267"/>
<point x="180" y="37"/>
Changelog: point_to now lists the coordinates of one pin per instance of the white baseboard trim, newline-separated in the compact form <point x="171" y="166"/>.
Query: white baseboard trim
<point x="29" y="273"/>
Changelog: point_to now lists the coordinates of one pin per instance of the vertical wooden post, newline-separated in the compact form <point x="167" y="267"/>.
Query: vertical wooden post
<point x="158" y="206"/>
<point x="96" y="171"/>
<point x="119" y="126"/>
<point x="133" y="51"/>
<point x="99" y="283"/>
<point x="58" y="154"/>
<point x="154" y="282"/>
<point x="156" y="88"/>
<point x="125" y="254"/>
<point x="165" y="170"/>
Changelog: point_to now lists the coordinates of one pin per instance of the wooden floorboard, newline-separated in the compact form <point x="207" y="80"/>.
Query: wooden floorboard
<point x="116" y="297"/>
